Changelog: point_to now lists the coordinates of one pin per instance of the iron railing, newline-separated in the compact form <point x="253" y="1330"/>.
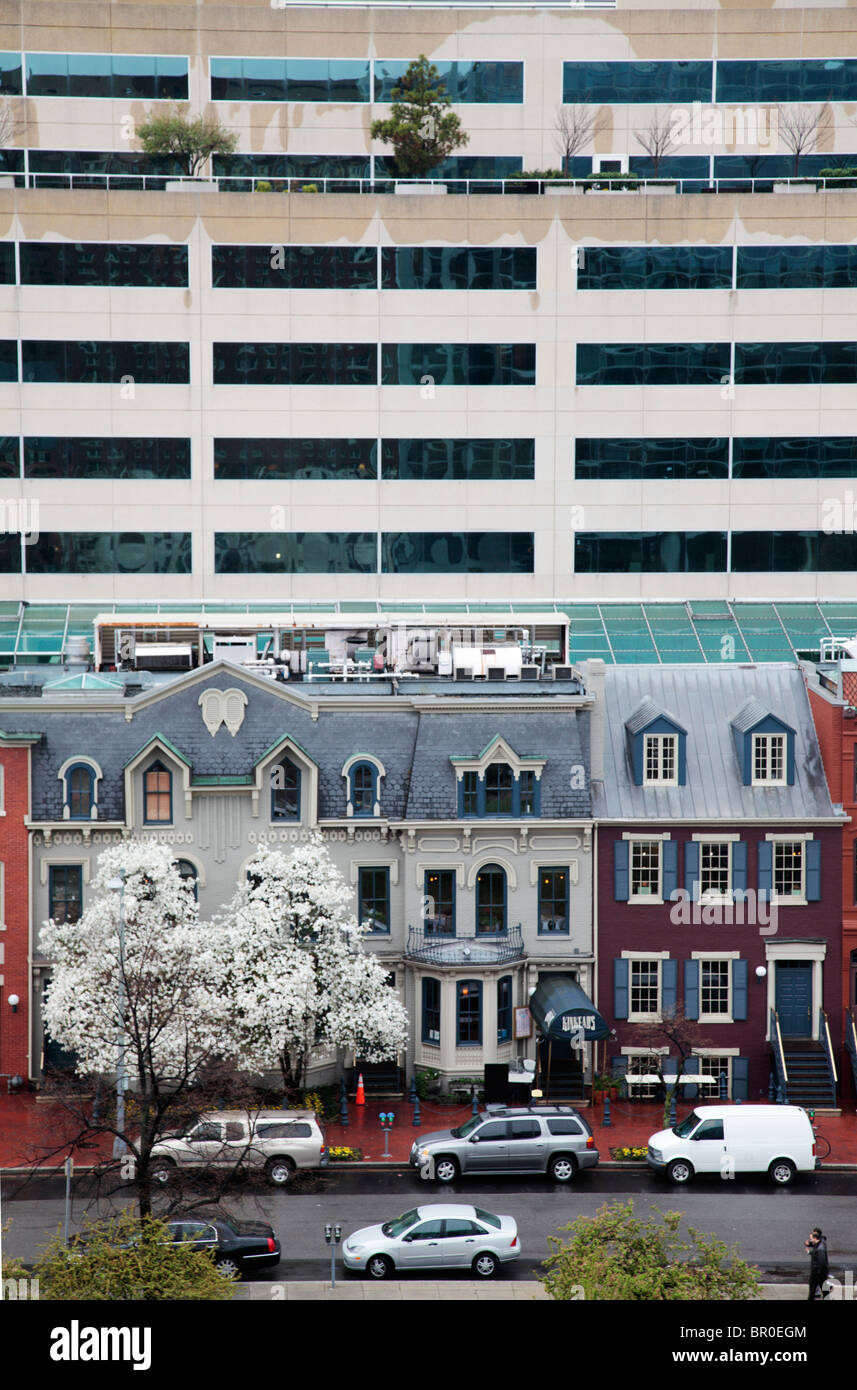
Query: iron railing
<point x="780" y="1068"/>
<point x="851" y="1041"/>
<point x="485" y="948"/>
<point x="827" y="1047"/>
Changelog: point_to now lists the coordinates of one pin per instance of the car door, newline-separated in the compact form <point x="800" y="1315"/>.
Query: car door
<point x="462" y="1239"/>
<point x="708" y="1146"/>
<point x="422" y="1247"/>
<point x="202" y="1145"/>
<point x="203" y="1236"/>
<point x="526" y="1146"/>
<point x="487" y="1148"/>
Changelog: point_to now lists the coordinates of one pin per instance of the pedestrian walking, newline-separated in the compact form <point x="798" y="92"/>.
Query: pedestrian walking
<point x="819" y="1267"/>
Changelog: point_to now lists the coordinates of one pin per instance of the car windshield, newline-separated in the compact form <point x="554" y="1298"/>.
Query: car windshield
<point x="401" y="1223"/>
<point x="488" y="1217"/>
<point x="687" y="1126"/>
<point x="463" y="1130"/>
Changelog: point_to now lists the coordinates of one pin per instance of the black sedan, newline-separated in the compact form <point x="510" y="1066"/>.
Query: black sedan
<point x="238" y="1247"/>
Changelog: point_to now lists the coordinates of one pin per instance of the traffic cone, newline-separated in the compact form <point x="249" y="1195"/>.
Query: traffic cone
<point x="360" y="1098"/>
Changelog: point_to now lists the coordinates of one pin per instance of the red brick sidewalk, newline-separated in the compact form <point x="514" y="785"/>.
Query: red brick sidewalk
<point x="35" y="1132"/>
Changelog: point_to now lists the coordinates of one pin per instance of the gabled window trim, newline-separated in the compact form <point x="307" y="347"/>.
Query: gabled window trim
<point x="769" y="781"/>
<point x="498" y="751"/>
<point x="286" y="747"/>
<point x="660" y="740"/>
<point x="287" y="820"/>
<point x="64" y="776"/>
<point x="158" y="766"/>
<point x="379" y="771"/>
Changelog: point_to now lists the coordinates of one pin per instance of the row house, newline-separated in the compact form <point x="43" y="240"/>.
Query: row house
<point x="15" y="752"/>
<point x="719" y="886"/>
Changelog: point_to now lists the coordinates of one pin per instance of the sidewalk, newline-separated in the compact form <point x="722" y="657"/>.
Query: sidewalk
<point x="33" y="1131"/>
<point x="452" y="1291"/>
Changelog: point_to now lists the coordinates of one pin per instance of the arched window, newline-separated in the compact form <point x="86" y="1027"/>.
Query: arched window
<point x="286" y="791"/>
<point x="80" y="781"/>
<point x="157" y="795"/>
<point x="188" y="874"/>
<point x="363" y="780"/>
<point x="499" y="790"/>
<point x="491" y="899"/>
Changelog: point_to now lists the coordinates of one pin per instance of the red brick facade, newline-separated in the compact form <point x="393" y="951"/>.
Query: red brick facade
<point x="15" y="938"/>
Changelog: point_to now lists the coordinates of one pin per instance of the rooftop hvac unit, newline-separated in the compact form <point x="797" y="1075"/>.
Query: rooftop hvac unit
<point x="563" y="673"/>
<point x="239" y="650"/>
<point x="529" y="673"/>
<point x="163" y="656"/>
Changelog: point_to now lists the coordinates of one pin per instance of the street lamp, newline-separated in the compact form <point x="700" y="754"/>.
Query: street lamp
<point x="117" y="885"/>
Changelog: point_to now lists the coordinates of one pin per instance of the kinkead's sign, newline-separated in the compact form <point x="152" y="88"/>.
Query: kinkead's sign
<point x="572" y="1023"/>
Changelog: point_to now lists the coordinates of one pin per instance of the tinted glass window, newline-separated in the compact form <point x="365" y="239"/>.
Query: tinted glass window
<point x="296" y="364"/>
<point x="564" y="1127"/>
<point x="146" y="363"/>
<point x="620" y="83"/>
<point x="654" y="268"/>
<point x="7" y="262"/>
<point x="462" y="1228"/>
<point x="651" y="458"/>
<point x="458" y="268"/>
<point x="298" y="1129"/>
<point x="814" y="457"/>
<point x="110" y="552"/>
<point x="654" y="552"/>
<point x="459" y="364"/>
<point x="103" y="263"/>
<point x="429" y="1230"/>
<point x="450" y="552"/>
<point x="106" y="75"/>
<point x="10" y="456"/>
<point x="710" y="1129"/>
<point x="234" y="1131"/>
<point x="775" y="363"/>
<point x="651" y="364"/>
<point x="294" y="267"/>
<point x="804" y="551"/>
<point x="105" y="457"/>
<point x="790" y="79"/>
<point x="10" y="74"/>
<point x="524" y="1129"/>
<point x="289" y="79"/>
<point x="291" y="166"/>
<point x="496" y="1130"/>
<point x="8" y="360"/>
<point x="295" y="458"/>
<point x="459" y="459"/>
<point x="299" y="552"/>
<point x="465" y="82"/>
<point x="206" y="1133"/>
<point x="488" y="1218"/>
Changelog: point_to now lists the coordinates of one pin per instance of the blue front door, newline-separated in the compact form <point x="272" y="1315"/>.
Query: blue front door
<point x="794" y="998"/>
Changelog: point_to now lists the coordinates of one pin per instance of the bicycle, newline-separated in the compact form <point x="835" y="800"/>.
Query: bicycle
<point x="819" y="1141"/>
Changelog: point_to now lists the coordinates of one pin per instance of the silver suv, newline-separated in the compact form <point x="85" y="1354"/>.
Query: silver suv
<point x="552" y="1139"/>
<point x="277" y="1141"/>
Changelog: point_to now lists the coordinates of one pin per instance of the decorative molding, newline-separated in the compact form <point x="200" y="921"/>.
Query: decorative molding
<point x="481" y="843"/>
<point x="438" y="845"/>
<point x="223" y="707"/>
<point x="560" y="843"/>
<point x="536" y="868"/>
<point x="391" y="864"/>
<point x="509" y="869"/>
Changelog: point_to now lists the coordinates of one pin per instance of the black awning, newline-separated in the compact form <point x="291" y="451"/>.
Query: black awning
<point x="560" y="1008"/>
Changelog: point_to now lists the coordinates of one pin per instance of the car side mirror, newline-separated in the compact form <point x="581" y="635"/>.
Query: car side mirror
<point x="473" y="1139"/>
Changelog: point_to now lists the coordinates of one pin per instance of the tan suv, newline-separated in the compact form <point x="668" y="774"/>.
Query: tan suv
<point x="277" y="1141"/>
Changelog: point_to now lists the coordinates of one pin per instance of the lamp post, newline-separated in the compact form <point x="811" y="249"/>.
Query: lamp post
<point x="117" y="885"/>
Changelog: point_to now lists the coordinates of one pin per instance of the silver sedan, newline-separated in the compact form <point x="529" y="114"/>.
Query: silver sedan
<point x="437" y="1236"/>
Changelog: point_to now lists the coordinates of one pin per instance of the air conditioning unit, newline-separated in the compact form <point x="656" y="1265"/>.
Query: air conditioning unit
<point x="563" y="673"/>
<point x="530" y="673"/>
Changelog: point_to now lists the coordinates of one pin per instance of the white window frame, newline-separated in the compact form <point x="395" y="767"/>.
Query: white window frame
<point x="726" y="1055"/>
<point x="660" y="741"/>
<point x="720" y="957"/>
<point x="709" y="895"/>
<point x="646" y="1092"/>
<point x="653" y="958"/>
<point x="768" y="740"/>
<point x="650" y="898"/>
<point x="795" y="899"/>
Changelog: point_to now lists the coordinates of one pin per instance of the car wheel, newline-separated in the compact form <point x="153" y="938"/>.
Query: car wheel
<point x="446" y="1170"/>
<point x="229" y="1267"/>
<point x="279" y="1171"/>
<point x="562" y="1168"/>
<point x="782" y="1172"/>
<point x="162" y="1171"/>
<point x="379" y="1267"/>
<point x="485" y="1266"/>
<point x="680" y="1171"/>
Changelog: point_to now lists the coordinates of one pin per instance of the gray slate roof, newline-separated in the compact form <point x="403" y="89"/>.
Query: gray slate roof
<point x="706" y="700"/>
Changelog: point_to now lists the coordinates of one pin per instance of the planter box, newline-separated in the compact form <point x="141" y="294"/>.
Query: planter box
<point x="614" y="191"/>
<point x="7" y="180"/>
<point x="420" y="188"/>
<point x="191" y="186"/>
<point x="795" y="187"/>
<point x="557" y="188"/>
<point x="657" y="188"/>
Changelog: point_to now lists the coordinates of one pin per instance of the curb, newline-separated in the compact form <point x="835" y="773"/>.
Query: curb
<point x="378" y="1166"/>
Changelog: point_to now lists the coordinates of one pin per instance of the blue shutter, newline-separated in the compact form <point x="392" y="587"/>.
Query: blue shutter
<point x="621" y="880"/>
<point x="669" y="876"/>
<point x="739" y="866"/>
<point x="691" y="868"/>
<point x="682" y="759"/>
<point x="637" y="759"/>
<point x="620" y="989"/>
<point x="739" y="990"/>
<point x="740" y="1078"/>
<point x="813" y="870"/>
<point x="790" y="759"/>
<point x="691" y="988"/>
<point x="669" y="984"/>
<point x="618" y="1066"/>
<point x="766" y="868"/>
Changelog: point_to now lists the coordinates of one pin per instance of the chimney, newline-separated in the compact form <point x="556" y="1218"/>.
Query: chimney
<point x="596" y="671"/>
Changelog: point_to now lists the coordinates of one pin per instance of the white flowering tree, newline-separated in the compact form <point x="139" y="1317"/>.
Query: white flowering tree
<point x="156" y="993"/>
<point x="296" y="970"/>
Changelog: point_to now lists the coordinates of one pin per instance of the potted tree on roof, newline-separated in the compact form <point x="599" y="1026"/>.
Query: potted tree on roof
<point x="191" y="142"/>
<point x="421" y="129"/>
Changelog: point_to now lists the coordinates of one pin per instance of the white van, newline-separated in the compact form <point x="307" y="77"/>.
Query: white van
<point x="725" y="1139"/>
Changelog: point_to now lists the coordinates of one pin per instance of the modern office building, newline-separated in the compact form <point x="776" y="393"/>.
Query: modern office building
<point x="215" y="394"/>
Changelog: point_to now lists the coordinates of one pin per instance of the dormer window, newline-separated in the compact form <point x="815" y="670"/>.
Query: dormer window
<point x="501" y="792"/>
<point x="79" y="778"/>
<point x="157" y="795"/>
<point x="363" y="774"/>
<point x="769" y="759"/>
<point x="286" y="791"/>
<point x="660" y="760"/>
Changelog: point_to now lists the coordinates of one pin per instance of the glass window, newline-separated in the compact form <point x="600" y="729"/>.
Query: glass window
<point x="564" y="1127"/>
<point x="469" y="1014"/>
<point x="459" y="268"/>
<point x="65" y="891"/>
<point x="8" y="360"/>
<point x="645" y="983"/>
<point x="709" y="1129"/>
<point x="714" y="981"/>
<point x="715" y="873"/>
<point x="491" y="900"/>
<point x="769" y="758"/>
<point x="470" y="794"/>
<point x="788" y="868"/>
<point x="465" y="166"/>
<point x="652" y="364"/>
<point x="157" y="795"/>
<point x="80" y="781"/>
<point x="553" y="901"/>
<point x="110" y="552"/>
<point x="458" y="364"/>
<point x="361" y="788"/>
<point x="103" y="263"/>
<point x="625" y="83"/>
<point x="806" y="551"/>
<point x="439" y="904"/>
<point x="786" y="80"/>
<point x="7" y="262"/>
<point x="295" y="364"/>
<point x="712" y="1066"/>
<point x="188" y="875"/>
<point x="373" y="895"/>
<point x="431" y="1012"/>
<point x="527" y="795"/>
<point x="151" y="363"/>
<point x="295" y="458"/>
<point x="294" y="267"/>
<point x="504" y="1013"/>
<point x="653" y="552"/>
<point x="499" y="790"/>
<point x="107" y="75"/>
<point x="309" y="167"/>
<point x="10" y="456"/>
<point x="10" y="74"/>
<point x="458" y="459"/>
<point x="766" y="364"/>
<point x="464" y="82"/>
<point x="645" y="870"/>
<point x="301" y="552"/>
<point x="651" y="458"/>
<point x="803" y="457"/>
<point x="451" y="552"/>
<point x="660" y="759"/>
<point x="286" y="791"/>
<point x="290" y="79"/>
<point x="654" y="268"/>
<point x="106" y="457"/>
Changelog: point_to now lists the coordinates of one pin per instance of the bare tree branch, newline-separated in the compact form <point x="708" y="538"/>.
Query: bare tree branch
<point x="574" y="127"/>
<point x="13" y="122"/>
<point x="801" y="127"/>
<point x="657" y="138"/>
